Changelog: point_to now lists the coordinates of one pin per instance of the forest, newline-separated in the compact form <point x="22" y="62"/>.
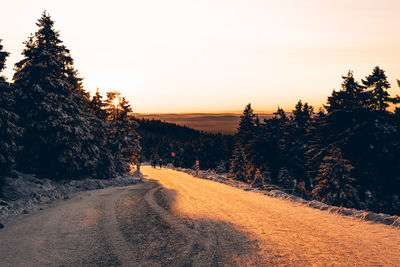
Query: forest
<point x="182" y="146"/>
<point x="345" y="154"/>
<point x="51" y="127"/>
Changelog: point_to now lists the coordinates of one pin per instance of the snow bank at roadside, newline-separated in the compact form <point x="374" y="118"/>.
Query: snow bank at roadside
<point x="26" y="193"/>
<point x="272" y="191"/>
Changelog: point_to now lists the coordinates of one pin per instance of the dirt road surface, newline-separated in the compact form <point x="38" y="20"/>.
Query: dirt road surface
<point x="175" y="219"/>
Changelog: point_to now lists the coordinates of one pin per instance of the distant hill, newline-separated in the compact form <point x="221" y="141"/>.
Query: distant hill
<point x="225" y="123"/>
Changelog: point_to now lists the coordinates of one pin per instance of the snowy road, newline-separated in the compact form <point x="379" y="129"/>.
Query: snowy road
<point x="177" y="220"/>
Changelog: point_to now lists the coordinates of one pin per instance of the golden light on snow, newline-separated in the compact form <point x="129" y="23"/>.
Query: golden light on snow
<point x="285" y="233"/>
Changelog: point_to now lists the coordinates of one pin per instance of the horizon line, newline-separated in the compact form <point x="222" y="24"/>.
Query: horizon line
<point x="204" y="112"/>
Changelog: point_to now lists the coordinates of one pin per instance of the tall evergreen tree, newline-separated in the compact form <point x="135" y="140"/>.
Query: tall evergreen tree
<point x="318" y="136"/>
<point x="9" y="131"/>
<point x="238" y="164"/>
<point x="97" y="106"/>
<point x="58" y="140"/>
<point x="245" y="134"/>
<point x="352" y="96"/>
<point x="247" y="125"/>
<point x="274" y="129"/>
<point x="378" y="84"/>
<point x="127" y="129"/>
<point x="295" y="143"/>
<point x="122" y="127"/>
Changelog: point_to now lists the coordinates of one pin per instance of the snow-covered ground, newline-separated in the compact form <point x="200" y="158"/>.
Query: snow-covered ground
<point x="26" y="193"/>
<point x="281" y="232"/>
<point x="365" y="215"/>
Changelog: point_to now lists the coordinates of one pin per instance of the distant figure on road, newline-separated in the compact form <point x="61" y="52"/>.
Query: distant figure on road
<point x="153" y="161"/>
<point x="138" y="163"/>
<point x="160" y="163"/>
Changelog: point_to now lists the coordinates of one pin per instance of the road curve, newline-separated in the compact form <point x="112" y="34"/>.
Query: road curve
<point x="176" y="220"/>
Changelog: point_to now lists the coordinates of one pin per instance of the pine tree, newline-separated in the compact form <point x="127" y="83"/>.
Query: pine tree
<point x="9" y="131"/>
<point x="247" y="125"/>
<point x="301" y="115"/>
<point x="124" y="141"/>
<point x="294" y="144"/>
<point x="220" y="167"/>
<point x="273" y="131"/>
<point x="318" y="141"/>
<point x="378" y="84"/>
<point x="238" y="164"/>
<point x="97" y="106"/>
<point x="245" y="134"/>
<point x="334" y="184"/>
<point x="112" y="105"/>
<point x="127" y="129"/>
<point x="352" y="96"/>
<point x="58" y="140"/>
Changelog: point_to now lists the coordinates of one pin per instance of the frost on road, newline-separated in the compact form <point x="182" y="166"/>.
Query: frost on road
<point x="177" y="220"/>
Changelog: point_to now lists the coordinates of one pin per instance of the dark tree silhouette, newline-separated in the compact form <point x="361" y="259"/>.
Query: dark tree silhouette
<point x="378" y="84"/>
<point x="97" y="106"/>
<point x="349" y="155"/>
<point x="238" y="164"/>
<point x="352" y="96"/>
<point x="181" y="145"/>
<point x="247" y="125"/>
<point x="295" y="144"/>
<point x="9" y="131"/>
<point x="59" y="140"/>
<point x="245" y="133"/>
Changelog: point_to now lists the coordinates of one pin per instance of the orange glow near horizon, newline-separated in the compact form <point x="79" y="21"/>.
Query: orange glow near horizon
<point x="116" y="102"/>
<point x="204" y="56"/>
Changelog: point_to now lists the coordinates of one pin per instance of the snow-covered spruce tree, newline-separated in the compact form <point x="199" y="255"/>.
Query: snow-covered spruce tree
<point x="334" y="183"/>
<point x="58" y="140"/>
<point x="123" y="141"/>
<point x="244" y="135"/>
<point x="238" y="164"/>
<point x="97" y="106"/>
<point x="9" y="131"/>
<point x="129" y="139"/>
<point x="221" y="167"/>
<point x="108" y="164"/>
<point x="285" y="178"/>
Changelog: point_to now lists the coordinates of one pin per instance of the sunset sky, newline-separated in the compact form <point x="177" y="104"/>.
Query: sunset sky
<point x="217" y="55"/>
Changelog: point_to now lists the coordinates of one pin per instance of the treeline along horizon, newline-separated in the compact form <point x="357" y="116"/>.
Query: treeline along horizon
<point x="346" y="154"/>
<point x="182" y="146"/>
<point x="49" y="124"/>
